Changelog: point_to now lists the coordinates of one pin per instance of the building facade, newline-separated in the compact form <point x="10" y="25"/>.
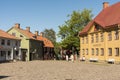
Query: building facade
<point x="31" y="48"/>
<point x="100" y="39"/>
<point x="9" y="47"/>
<point x="48" y="47"/>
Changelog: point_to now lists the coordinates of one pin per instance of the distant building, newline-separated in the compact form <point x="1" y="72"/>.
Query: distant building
<point x="9" y="47"/>
<point x="31" y="48"/>
<point x="100" y="39"/>
<point x="48" y="47"/>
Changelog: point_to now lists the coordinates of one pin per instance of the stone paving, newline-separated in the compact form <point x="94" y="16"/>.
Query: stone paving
<point x="59" y="70"/>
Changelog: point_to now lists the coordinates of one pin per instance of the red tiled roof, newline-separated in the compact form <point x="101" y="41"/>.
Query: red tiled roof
<point x="86" y="28"/>
<point x="47" y="43"/>
<point x="26" y="33"/>
<point x="4" y="34"/>
<point x="107" y="17"/>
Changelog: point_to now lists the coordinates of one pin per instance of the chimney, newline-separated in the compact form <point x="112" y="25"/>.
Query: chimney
<point x="36" y="33"/>
<point x="105" y="5"/>
<point x="28" y="29"/>
<point x="17" y="25"/>
<point x="41" y="34"/>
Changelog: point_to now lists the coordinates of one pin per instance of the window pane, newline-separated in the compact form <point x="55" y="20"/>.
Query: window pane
<point x="116" y="35"/>
<point x="8" y="42"/>
<point x="116" y="51"/>
<point x="102" y="51"/>
<point x="110" y="51"/>
<point x="3" y="42"/>
<point x="97" y="51"/>
<point x="92" y="51"/>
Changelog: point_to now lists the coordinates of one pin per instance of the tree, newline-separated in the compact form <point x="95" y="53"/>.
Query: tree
<point x="50" y="34"/>
<point x="70" y="29"/>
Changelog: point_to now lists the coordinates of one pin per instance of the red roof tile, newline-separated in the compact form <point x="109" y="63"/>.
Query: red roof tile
<point x="26" y="33"/>
<point x="4" y="34"/>
<point x="107" y="17"/>
<point x="86" y="28"/>
<point x="47" y="43"/>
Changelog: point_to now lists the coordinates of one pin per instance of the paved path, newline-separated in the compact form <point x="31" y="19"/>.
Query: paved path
<point x="58" y="70"/>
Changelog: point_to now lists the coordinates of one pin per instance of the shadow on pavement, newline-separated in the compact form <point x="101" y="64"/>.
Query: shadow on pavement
<point x="1" y="77"/>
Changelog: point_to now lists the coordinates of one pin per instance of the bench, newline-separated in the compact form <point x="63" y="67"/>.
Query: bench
<point x="82" y="59"/>
<point x="93" y="59"/>
<point x="111" y="61"/>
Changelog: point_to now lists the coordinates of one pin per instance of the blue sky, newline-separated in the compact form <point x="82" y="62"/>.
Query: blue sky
<point x="43" y="14"/>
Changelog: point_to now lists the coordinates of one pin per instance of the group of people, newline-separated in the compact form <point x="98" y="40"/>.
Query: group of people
<point x="69" y="55"/>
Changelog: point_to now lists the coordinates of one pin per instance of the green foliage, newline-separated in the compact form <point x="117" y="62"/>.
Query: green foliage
<point x="70" y="29"/>
<point x="50" y="34"/>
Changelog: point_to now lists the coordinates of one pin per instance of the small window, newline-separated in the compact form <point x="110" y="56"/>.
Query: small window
<point x="14" y="34"/>
<point x="82" y="40"/>
<point x="21" y="35"/>
<point x="3" y="53"/>
<point x="102" y="52"/>
<point x="109" y="51"/>
<point x="102" y="39"/>
<point x="96" y="37"/>
<point x="92" y="51"/>
<point x="109" y="36"/>
<point x="83" y="51"/>
<point x="97" y="52"/>
<point x="86" y="40"/>
<point x="8" y="42"/>
<point x="9" y="53"/>
<point x="116" y="51"/>
<point x="97" y="27"/>
<point x="92" y="38"/>
<point x="16" y="43"/>
<point x="2" y="42"/>
<point x="116" y="35"/>
<point x="86" y="51"/>
<point x="17" y="53"/>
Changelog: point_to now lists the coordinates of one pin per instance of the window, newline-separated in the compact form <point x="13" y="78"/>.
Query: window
<point x="83" y="51"/>
<point x="116" y="35"/>
<point x="96" y="27"/>
<point x="101" y="36"/>
<point x="109" y="51"/>
<point x="21" y="36"/>
<point x="96" y="37"/>
<point x="82" y="40"/>
<point x="3" y="53"/>
<point x="92" y="38"/>
<point x="2" y="42"/>
<point x="17" y="53"/>
<point x="86" y="51"/>
<point x="8" y="42"/>
<point x="14" y="34"/>
<point x="102" y="52"/>
<point x="116" y="51"/>
<point x="16" y="43"/>
<point x="86" y="40"/>
<point x="97" y="51"/>
<point x="92" y="51"/>
<point x="109" y="36"/>
<point x="9" y="53"/>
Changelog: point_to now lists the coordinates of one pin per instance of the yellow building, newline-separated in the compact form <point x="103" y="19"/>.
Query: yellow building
<point x="100" y="39"/>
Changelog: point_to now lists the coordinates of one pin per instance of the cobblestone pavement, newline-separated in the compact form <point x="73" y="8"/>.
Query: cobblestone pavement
<point x="59" y="70"/>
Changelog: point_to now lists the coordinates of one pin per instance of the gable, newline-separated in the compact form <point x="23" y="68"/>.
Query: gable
<point x="16" y="32"/>
<point x="95" y="28"/>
